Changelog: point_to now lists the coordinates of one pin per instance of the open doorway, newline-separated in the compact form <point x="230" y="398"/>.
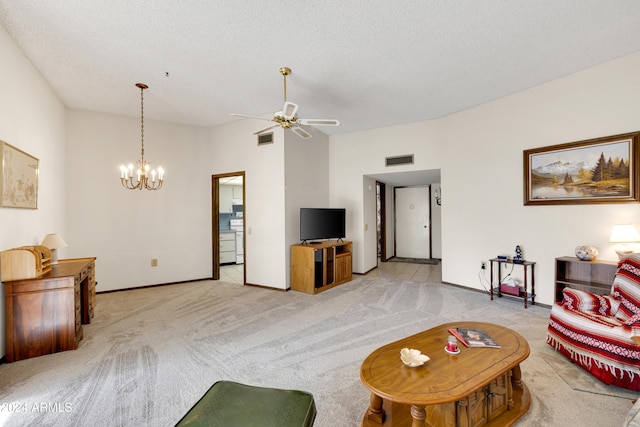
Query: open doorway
<point x="228" y="227"/>
<point x="381" y="219"/>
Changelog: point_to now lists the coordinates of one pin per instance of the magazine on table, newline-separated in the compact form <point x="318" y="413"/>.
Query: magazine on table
<point x="474" y="337"/>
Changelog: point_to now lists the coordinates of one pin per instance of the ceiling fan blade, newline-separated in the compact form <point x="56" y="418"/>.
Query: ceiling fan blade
<point x="300" y="132"/>
<point x="289" y="110"/>
<point x="319" y="122"/>
<point x="249" y="117"/>
<point x="265" y="129"/>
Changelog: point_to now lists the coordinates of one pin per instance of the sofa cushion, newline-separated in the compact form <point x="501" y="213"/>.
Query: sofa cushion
<point x="626" y="287"/>
<point x="603" y="305"/>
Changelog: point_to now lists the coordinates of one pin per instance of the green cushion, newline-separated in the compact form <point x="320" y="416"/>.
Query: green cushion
<point x="231" y="404"/>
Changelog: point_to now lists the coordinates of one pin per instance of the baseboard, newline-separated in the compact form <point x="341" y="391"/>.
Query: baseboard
<point x="483" y="291"/>
<point x="152" y="286"/>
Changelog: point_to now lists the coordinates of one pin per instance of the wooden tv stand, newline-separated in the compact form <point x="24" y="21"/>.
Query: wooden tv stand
<point x="316" y="267"/>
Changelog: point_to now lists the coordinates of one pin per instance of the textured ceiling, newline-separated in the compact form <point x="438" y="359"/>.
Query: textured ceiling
<point x="367" y="63"/>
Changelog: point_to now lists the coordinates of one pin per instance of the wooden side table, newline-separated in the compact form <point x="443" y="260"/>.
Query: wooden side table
<point x="528" y="266"/>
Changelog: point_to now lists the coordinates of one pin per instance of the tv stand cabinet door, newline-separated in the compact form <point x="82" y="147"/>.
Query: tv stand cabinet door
<point x="303" y="268"/>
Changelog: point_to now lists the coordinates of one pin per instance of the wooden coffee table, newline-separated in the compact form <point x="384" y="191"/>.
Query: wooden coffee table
<point x="479" y="386"/>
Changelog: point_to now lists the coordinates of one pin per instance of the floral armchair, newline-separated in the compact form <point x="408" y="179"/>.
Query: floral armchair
<point x="601" y="333"/>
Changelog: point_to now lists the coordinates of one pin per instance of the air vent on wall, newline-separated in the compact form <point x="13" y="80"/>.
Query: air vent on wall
<point x="399" y="160"/>
<point x="265" y="138"/>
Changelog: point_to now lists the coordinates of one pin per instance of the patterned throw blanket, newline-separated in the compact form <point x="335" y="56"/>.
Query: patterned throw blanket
<point x="598" y="332"/>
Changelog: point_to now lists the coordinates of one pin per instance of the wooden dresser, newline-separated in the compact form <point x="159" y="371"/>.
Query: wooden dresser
<point x="45" y="314"/>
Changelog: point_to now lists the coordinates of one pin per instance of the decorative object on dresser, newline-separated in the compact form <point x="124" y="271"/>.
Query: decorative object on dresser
<point x="126" y="172"/>
<point x="54" y="242"/>
<point x="45" y="314"/>
<point x="19" y="179"/>
<point x="25" y="262"/>
<point x="586" y="253"/>
<point x="601" y="332"/>
<point x="624" y="234"/>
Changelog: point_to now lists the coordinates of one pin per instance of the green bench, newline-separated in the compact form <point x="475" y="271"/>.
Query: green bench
<point x="231" y="404"/>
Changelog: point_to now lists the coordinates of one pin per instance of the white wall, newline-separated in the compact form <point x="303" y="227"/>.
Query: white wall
<point x="234" y="148"/>
<point x="353" y="155"/>
<point x="306" y="183"/>
<point x="123" y="228"/>
<point x="479" y="152"/>
<point x="31" y="119"/>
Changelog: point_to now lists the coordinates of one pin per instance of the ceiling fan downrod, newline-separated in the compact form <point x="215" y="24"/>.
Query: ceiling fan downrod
<point x="285" y="71"/>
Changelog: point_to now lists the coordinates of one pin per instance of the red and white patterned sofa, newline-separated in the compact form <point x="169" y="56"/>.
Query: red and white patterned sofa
<point x="602" y="333"/>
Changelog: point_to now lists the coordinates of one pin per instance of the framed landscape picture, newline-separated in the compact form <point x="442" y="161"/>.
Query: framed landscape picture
<point x="19" y="183"/>
<point x="601" y="170"/>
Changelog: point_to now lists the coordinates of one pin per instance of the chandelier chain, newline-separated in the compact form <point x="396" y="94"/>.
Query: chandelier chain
<point x="142" y="124"/>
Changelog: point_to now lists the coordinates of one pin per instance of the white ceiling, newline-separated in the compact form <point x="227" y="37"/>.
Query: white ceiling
<point x="367" y="63"/>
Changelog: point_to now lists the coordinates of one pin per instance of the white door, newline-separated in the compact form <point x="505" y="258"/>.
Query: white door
<point x="412" y="222"/>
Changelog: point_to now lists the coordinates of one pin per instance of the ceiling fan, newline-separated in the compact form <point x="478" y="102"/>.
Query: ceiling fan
<point x="287" y="118"/>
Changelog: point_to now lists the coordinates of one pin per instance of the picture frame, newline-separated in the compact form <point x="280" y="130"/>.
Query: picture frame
<point x="19" y="183"/>
<point x="600" y="170"/>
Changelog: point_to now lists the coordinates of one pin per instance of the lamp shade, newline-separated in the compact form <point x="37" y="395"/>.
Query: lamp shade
<point x="624" y="233"/>
<point x="53" y="241"/>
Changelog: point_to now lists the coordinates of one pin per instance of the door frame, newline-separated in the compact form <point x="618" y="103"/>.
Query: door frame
<point x="381" y="188"/>
<point x="215" y="223"/>
<point x="430" y="217"/>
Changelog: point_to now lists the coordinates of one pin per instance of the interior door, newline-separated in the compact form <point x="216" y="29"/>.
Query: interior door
<point x="413" y="220"/>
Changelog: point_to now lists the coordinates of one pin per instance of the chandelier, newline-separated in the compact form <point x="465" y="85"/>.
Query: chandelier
<point x="143" y="172"/>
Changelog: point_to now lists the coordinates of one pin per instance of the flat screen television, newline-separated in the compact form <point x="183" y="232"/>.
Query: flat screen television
<point x="322" y="223"/>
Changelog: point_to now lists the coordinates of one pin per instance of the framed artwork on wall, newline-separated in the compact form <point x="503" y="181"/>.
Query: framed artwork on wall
<point x="19" y="183"/>
<point x="601" y="170"/>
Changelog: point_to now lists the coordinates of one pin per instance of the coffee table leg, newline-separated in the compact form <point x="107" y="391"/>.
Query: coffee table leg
<point x="376" y="413"/>
<point x="418" y="414"/>
<point x="516" y="377"/>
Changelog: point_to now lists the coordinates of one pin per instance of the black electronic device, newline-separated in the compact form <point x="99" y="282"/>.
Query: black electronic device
<point x="322" y="223"/>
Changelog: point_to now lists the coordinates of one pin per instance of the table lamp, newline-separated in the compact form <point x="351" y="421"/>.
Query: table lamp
<point x="624" y="234"/>
<point x="54" y="242"/>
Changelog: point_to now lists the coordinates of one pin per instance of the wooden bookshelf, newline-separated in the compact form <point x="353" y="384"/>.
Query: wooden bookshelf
<point x="595" y="276"/>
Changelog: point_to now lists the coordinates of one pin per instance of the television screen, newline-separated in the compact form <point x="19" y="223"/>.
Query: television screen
<point x="322" y="223"/>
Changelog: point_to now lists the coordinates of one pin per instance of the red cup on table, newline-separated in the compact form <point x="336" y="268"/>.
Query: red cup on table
<point x="452" y="344"/>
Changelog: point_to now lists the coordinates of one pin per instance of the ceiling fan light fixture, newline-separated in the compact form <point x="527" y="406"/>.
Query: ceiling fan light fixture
<point x="287" y="118"/>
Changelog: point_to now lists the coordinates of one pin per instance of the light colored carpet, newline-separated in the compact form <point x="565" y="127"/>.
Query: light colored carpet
<point x="150" y="354"/>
